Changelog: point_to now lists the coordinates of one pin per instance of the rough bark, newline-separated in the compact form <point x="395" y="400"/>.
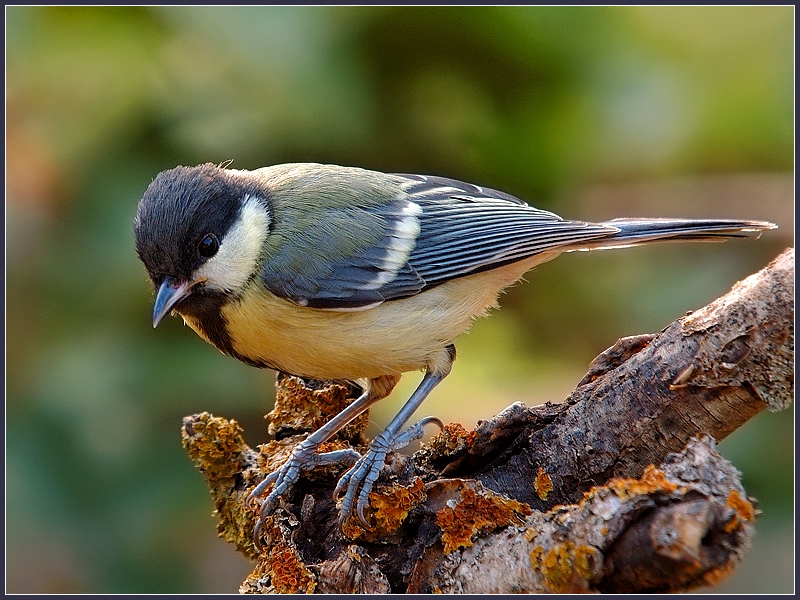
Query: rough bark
<point x="617" y="489"/>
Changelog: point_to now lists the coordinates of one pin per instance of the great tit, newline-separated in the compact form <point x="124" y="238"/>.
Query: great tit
<point x="341" y="273"/>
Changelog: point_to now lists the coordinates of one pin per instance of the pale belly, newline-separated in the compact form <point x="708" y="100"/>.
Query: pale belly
<point x="392" y="338"/>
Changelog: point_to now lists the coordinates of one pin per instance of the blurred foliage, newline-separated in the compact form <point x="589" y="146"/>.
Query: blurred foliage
<point x="549" y="103"/>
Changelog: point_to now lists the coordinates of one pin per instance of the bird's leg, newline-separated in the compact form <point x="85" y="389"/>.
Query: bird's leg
<point x="304" y="456"/>
<point x="358" y="481"/>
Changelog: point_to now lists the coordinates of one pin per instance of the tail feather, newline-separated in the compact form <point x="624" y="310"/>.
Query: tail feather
<point x="632" y="232"/>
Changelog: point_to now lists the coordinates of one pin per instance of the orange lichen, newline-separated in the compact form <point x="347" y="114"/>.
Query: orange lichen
<point x="391" y="507"/>
<point x="542" y="484"/>
<point x="742" y="511"/>
<point x="299" y="407"/>
<point x="352" y="528"/>
<point x="279" y="568"/>
<point x="652" y="480"/>
<point x="476" y="512"/>
<point x="387" y="509"/>
<point x="451" y="440"/>
<point x="214" y="444"/>
<point x="276" y="452"/>
<point x="218" y="450"/>
<point x="256" y="582"/>
<point x="565" y="567"/>
<point x="287" y="572"/>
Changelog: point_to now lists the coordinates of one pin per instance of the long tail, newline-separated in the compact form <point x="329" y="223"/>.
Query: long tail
<point x="633" y="232"/>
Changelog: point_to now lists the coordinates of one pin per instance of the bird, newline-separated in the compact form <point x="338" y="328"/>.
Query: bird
<point x="342" y="273"/>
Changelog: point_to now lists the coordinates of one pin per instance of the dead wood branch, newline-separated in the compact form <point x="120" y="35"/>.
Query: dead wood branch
<point x="560" y="497"/>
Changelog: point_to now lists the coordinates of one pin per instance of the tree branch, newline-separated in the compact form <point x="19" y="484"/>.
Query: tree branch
<point x="559" y="497"/>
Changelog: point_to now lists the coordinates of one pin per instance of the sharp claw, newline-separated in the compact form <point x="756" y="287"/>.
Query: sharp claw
<point x="259" y="489"/>
<point x="360" y="511"/>
<point x="265" y="509"/>
<point x="257" y="535"/>
<point x="347" y="503"/>
<point x="436" y="420"/>
<point x="343" y="482"/>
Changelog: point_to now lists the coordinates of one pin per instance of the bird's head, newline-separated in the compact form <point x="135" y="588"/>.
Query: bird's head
<point x="200" y="232"/>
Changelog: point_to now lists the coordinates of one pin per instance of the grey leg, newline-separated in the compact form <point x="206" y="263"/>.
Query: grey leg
<point x="358" y="481"/>
<point x="305" y="458"/>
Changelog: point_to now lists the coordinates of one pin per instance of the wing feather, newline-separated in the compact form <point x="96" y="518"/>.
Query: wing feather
<point x="424" y="231"/>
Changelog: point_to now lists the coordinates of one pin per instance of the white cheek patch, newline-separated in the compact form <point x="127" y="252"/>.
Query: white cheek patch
<point x="237" y="258"/>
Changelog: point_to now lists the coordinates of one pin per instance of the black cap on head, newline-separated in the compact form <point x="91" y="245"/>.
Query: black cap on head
<point x="180" y="207"/>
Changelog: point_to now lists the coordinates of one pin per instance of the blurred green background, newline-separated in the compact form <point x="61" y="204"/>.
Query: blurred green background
<point x="593" y="113"/>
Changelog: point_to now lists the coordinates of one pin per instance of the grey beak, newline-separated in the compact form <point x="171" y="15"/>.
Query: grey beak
<point x="169" y="294"/>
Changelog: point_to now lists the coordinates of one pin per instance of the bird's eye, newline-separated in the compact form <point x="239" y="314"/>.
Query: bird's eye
<point x="208" y="245"/>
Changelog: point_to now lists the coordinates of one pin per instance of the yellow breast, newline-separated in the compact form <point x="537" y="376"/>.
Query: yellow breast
<point x="392" y="338"/>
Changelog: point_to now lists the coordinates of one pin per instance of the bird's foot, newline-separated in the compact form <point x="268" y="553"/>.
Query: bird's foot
<point x="358" y="481"/>
<point x="303" y="458"/>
